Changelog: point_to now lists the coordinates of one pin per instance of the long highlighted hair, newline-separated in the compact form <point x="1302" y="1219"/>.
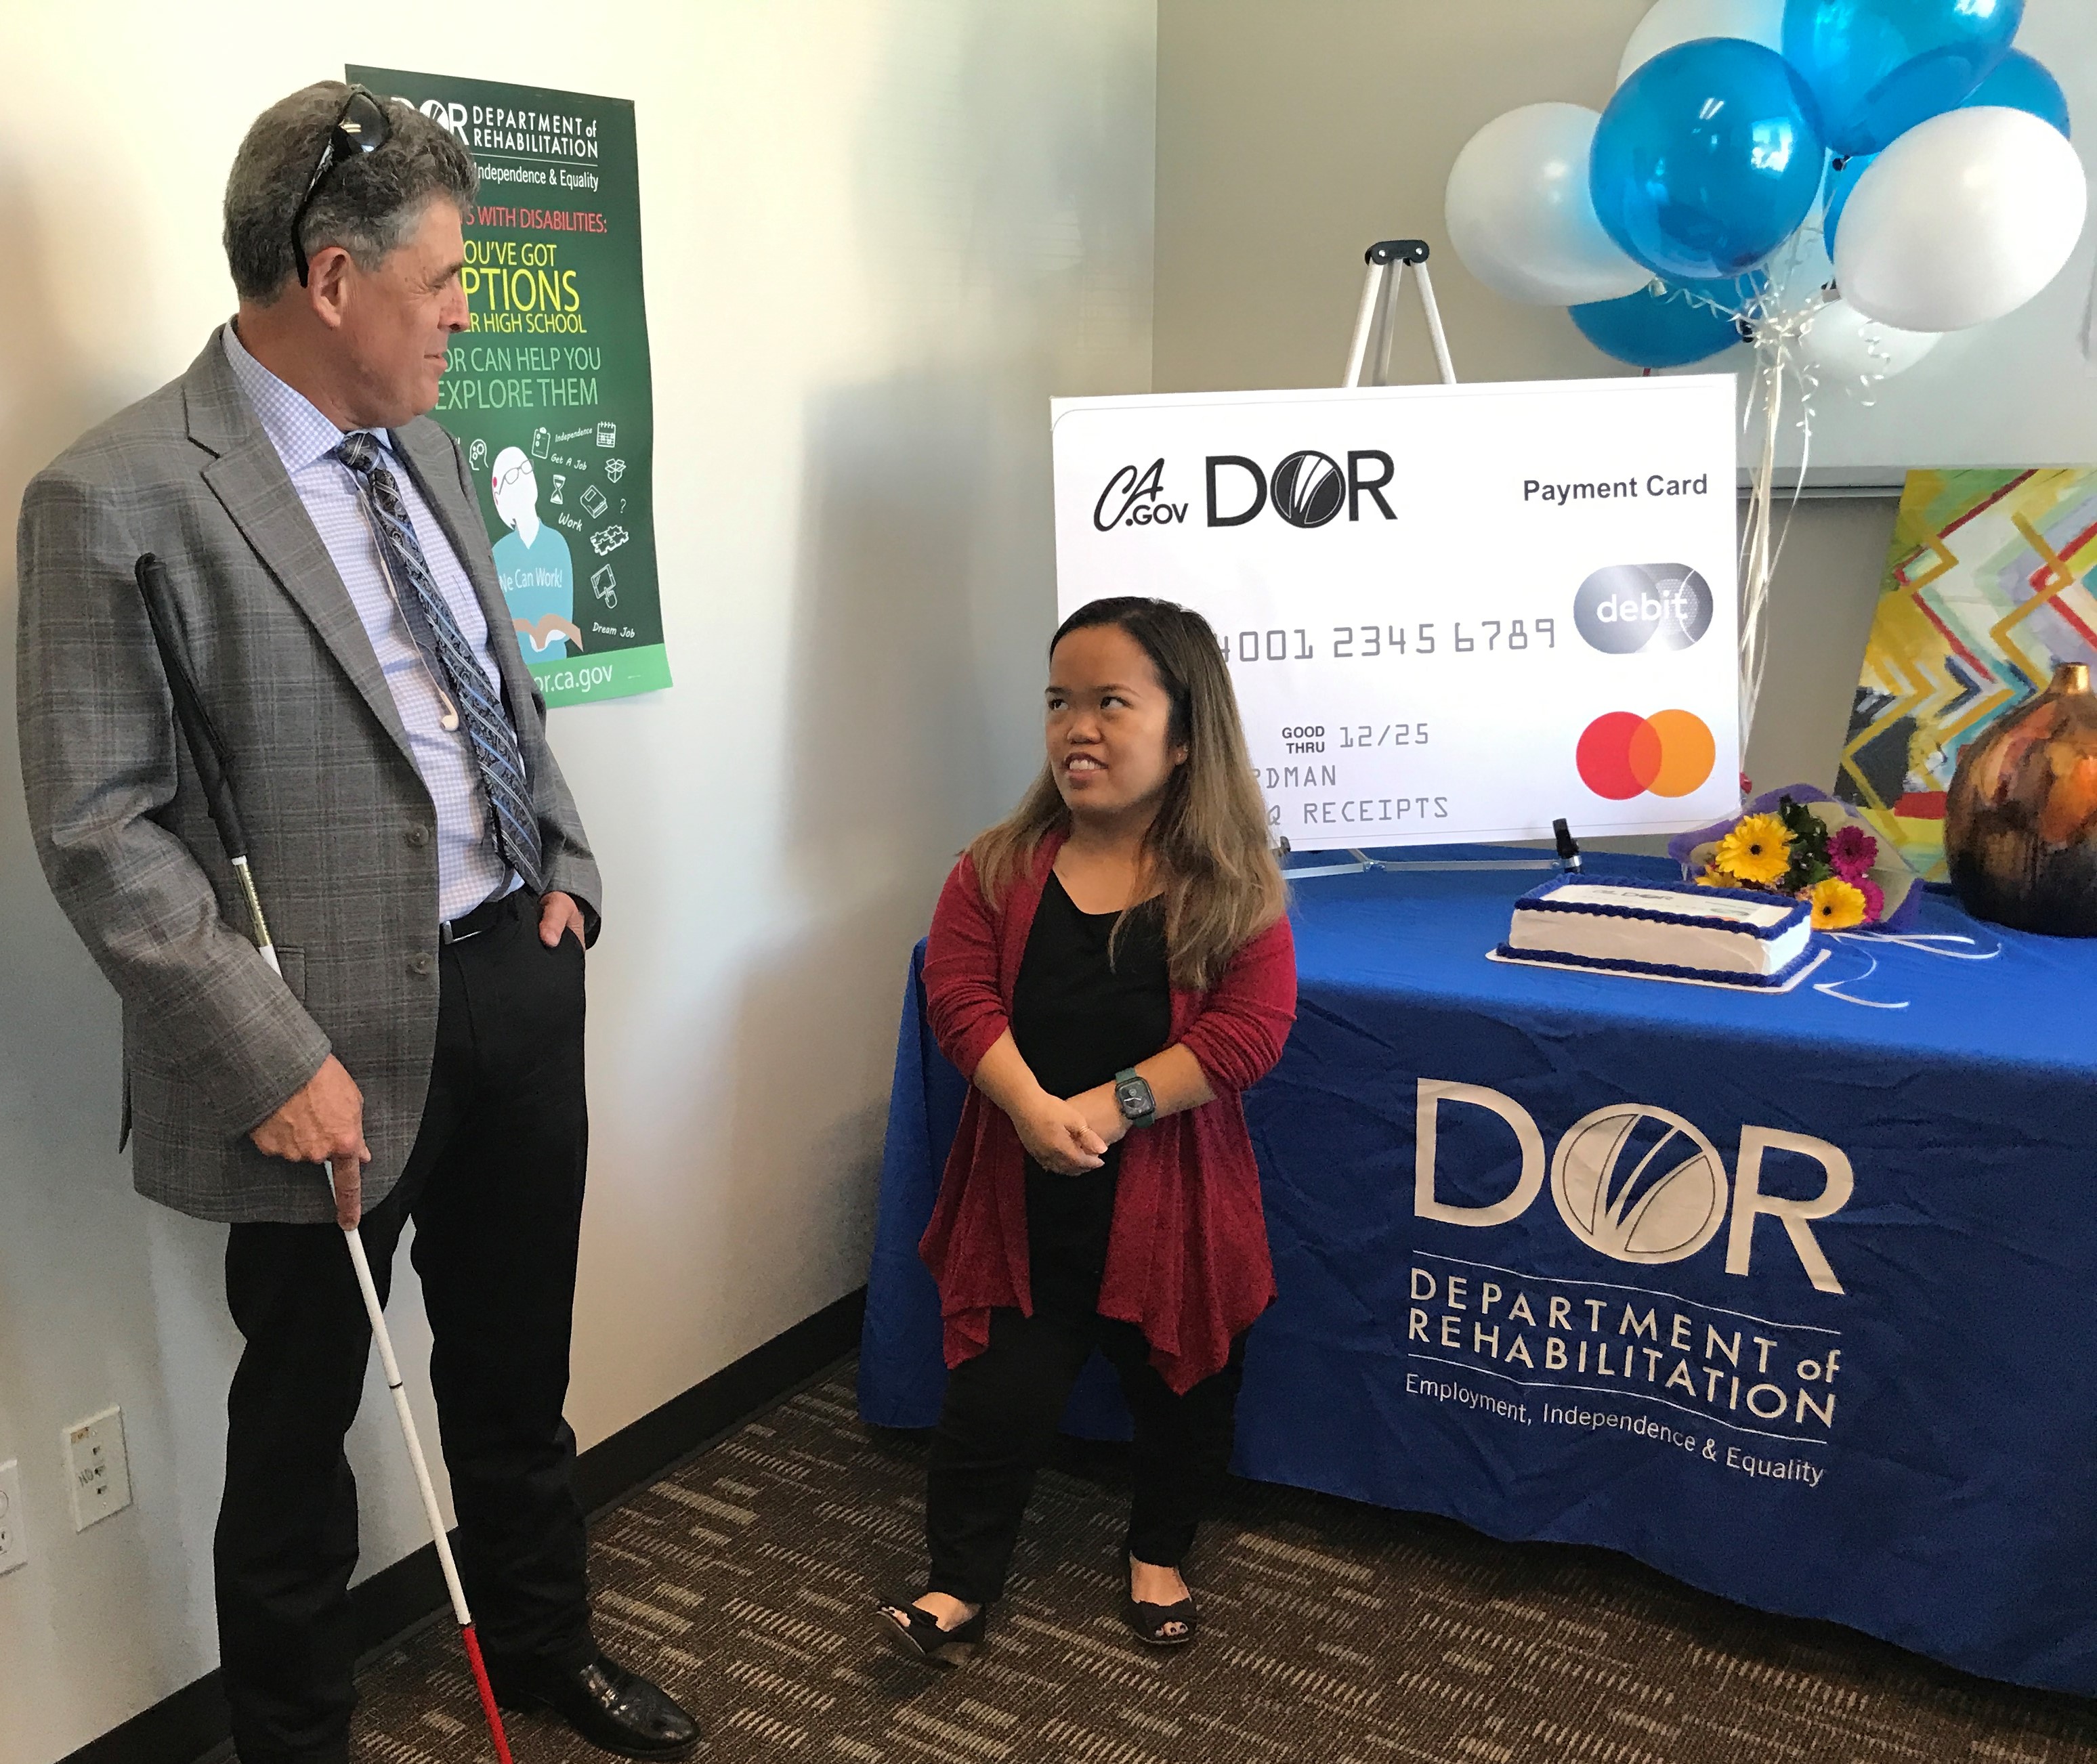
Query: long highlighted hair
<point x="1208" y="850"/>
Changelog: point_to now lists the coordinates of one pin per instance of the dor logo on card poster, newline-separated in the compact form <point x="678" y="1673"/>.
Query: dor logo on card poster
<point x="1450" y="612"/>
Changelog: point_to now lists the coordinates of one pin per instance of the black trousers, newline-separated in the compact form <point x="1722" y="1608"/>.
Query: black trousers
<point x="495" y="1186"/>
<point x="1002" y="1407"/>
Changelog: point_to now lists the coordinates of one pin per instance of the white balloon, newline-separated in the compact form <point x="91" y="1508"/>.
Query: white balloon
<point x="1842" y="344"/>
<point x="1520" y="217"/>
<point x="1961" y="220"/>
<point x="1671" y="22"/>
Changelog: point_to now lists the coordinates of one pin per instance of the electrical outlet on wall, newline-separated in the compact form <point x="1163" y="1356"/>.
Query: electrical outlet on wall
<point x="96" y="1466"/>
<point x="14" y="1541"/>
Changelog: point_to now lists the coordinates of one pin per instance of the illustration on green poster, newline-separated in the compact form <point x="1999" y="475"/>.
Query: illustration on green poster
<point x="548" y="389"/>
<point x="538" y="573"/>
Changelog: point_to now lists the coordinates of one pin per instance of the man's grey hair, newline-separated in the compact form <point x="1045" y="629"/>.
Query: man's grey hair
<point x="368" y="205"/>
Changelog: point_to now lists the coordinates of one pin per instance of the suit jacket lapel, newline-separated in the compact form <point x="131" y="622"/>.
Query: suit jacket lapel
<point x="427" y="448"/>
<point x="249" y="480"/>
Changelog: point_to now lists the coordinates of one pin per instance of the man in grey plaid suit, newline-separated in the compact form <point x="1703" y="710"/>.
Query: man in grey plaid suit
<point x="426" y="874"/>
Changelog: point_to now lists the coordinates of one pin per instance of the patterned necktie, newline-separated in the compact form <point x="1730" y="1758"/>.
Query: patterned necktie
<point x="488" y="729"/>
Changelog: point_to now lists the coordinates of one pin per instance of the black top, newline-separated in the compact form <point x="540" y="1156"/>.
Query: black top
<point x="1077" y="1019"/>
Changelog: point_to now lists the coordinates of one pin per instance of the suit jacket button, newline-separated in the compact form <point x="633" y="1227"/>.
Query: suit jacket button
<point x="421" y="962"/>
<point x="418" y="834"/>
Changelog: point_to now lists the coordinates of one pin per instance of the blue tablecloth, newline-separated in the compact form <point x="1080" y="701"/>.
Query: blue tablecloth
<point x="1885" y="1415"/>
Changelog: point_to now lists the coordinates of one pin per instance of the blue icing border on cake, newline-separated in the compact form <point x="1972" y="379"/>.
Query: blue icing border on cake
<point x="1663" y="970"/>
<point x="1539" y="899"/>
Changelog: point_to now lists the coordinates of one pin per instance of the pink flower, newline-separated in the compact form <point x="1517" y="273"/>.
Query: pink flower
<point x="1851" y="852"/>
<point x="1875" y="896"/>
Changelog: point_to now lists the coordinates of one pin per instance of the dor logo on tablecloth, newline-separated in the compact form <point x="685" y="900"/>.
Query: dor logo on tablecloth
<point x="1639" y="1183"/>
<point x="1636" y="1183"/>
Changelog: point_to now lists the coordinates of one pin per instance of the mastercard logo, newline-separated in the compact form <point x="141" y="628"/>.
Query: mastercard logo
<point x="1669" y="753"/>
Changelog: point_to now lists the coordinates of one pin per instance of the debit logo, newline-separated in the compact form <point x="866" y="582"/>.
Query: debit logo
<point x="1623" y="608"/>
<point x="1623" y="754"/>
<point x="1638" y="1183"/>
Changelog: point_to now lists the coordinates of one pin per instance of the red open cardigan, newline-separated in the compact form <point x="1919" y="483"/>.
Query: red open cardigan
<point x="1186" y="1256"/>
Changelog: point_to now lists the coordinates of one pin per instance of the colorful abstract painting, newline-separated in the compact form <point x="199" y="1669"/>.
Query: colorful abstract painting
<point x="1983" y="595"/>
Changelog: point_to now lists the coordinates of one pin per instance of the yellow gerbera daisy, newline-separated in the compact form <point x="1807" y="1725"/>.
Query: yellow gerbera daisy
<point x="1756" y="850"/>
<point x="1836" y="904"/>
<point x="1713" y="878"/>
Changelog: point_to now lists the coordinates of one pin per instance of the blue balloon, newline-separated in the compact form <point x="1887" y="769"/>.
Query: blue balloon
<point x="1666" y="331"/>
<point x="1706" y="160"/>
<point x="1877" y="68"/>
<point x="1842" y="175"/>
<point x="2020" y="83"/>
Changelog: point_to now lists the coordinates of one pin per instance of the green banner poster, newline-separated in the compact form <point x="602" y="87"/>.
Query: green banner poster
<point x="548" y="391"/>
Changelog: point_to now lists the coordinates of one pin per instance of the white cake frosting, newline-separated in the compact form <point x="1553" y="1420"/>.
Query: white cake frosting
<point x="1726" y="936"/>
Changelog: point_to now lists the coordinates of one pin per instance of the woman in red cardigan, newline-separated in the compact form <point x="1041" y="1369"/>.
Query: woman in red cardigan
<point x="1110" y="966"/>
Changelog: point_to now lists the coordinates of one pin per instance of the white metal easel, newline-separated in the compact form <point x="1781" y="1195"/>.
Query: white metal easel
<point x="1368" y="355"/>
<point x="1369" y="364"/>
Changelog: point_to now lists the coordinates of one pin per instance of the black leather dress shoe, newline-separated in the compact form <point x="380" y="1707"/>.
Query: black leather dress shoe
<point x="616" y="1711"/>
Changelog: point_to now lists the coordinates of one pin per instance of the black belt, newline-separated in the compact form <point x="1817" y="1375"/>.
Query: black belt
<point x="484" y="917"/>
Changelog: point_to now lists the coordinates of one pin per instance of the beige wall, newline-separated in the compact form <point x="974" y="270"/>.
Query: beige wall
<point x="880" y="234"/>
<point x="1291" y="136"/>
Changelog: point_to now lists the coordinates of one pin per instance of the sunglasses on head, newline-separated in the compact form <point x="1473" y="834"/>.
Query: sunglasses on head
<point x="360" y="127"/>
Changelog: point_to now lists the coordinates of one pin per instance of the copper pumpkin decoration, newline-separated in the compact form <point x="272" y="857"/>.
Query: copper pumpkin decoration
<point x="2020" y="823"/>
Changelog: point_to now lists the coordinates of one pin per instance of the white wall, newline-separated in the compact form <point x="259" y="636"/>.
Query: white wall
<point x="1291" y="137"/>
<point x="880" y="234"/>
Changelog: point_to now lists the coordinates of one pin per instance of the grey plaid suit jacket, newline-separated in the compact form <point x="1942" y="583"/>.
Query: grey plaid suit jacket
<point x="341" y="830"/>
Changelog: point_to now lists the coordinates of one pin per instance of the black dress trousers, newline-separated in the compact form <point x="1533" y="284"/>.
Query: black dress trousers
<point x="998" y="1425"/>
<point x="495" y="1187"/>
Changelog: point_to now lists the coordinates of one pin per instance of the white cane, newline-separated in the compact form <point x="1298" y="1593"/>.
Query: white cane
<point x="207" y="750"/>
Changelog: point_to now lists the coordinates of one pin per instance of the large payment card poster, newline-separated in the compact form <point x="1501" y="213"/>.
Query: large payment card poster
<point x="1450" y="612"/>
<point x="548" y="391"/>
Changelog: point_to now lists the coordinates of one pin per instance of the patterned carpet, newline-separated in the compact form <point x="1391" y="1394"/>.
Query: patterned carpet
<point x="1334" y="1632"/>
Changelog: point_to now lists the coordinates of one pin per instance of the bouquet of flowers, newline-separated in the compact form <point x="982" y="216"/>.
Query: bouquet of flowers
<point x="1799" y="841"/>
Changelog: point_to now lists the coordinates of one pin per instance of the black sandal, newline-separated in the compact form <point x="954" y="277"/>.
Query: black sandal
<point x="1151" y="1622"/>
<point x="915" y="1635"/>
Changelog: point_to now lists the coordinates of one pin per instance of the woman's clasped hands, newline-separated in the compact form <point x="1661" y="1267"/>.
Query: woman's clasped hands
<point x="1069" y="1137"/>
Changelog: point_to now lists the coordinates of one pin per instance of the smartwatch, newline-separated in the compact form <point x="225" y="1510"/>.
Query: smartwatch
<point x="1139" y="1107"/>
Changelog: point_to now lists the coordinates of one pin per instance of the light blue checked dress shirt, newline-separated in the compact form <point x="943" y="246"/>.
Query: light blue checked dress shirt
<point x="470" y="868"/>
